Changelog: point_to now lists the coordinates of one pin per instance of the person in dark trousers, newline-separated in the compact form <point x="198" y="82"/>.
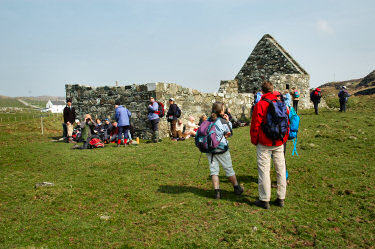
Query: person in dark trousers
<point x="122" y="116"/>
<point x="295" y="96"/>
<point x="172" y="115"/>
<point x="343" y="98"/>
<point x="69" y="117"/>
<point x="154" y="118"/>
<point x="107" y="130"/>
<point x="315" y="97"/>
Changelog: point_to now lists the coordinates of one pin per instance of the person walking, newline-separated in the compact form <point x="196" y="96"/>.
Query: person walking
<point x="315" y="97"/>
<point x="173" y="114"/>
<point x="69" y="118"/>
<point x="122" y="116"/>
<point x="154" y="118"/>
<point x="223" y="131"/>
<point x="343" y="98"/>
<point x="267" y="147"/>
<point x="295" y="96"/>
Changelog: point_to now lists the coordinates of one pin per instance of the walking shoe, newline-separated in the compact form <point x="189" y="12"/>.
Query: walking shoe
<point x="262" y="204"/>
<point x="238" y="190"/>
<point x="217" y="194"/>
<point x="279" y="202"/>
<point x="118" y="145"/>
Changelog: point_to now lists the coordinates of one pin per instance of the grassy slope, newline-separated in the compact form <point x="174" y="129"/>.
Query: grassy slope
<point x="157" y="196"/>
<point x="10" y="102"/>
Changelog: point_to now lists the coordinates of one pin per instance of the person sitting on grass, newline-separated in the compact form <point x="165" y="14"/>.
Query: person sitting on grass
<point x="107" y="127"/>
<point x="191" y="128"/>
<point x="113" y="136"/>
<point x="179" y="130"/>
<point x="223" y="131"/>
<point x="87" y="130"/>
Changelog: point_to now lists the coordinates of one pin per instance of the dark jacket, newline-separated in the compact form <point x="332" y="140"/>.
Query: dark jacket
<point x="69" y="114"/>
<point x="173" y="112"/>
<point x="343" y="95"/>
<point x="87" y="129"/>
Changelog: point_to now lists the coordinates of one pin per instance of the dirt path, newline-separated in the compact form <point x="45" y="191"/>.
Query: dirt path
<point x="27" y="104"/>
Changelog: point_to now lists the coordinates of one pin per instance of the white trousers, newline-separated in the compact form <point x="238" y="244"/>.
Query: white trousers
<point x="264" y="164"/>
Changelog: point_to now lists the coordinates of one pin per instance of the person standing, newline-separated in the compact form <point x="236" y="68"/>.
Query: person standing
<point x="69" y="117"/>
<point x="223" y="130"/>
<point x="315" y="97"/>
<point x="343" y="98"/>
<point x="122" y="116"/>
<point x="287" y="98"/>
<point x="265" y="148"/>
<point x="173" y="114"/>
<point x="153" y="116"/>
<point x="295" y="96"/>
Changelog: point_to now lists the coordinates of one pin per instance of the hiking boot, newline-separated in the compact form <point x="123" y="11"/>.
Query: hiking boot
<point x="238" y="190"/>
<point x="279" y="202"/>
<point x="217" y="194"/>
<point x="262" y="204"/>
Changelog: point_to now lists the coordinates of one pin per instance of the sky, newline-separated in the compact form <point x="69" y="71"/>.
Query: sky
<point x="45" y="44"/>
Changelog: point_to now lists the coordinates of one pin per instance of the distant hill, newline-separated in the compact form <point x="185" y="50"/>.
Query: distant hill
<point x="361" y="86"/>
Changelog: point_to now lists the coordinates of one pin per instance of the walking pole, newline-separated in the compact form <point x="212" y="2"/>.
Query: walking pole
<point x="41" y="123"/>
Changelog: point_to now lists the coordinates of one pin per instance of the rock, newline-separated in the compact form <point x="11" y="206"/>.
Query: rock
<point x="44" y="184"/>
<point x="255" y="228"/>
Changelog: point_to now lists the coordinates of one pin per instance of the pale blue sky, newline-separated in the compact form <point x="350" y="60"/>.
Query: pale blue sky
<point x="194" y="43"/>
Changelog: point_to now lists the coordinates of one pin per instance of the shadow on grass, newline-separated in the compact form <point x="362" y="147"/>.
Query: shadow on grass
<point x="226" y="195"/>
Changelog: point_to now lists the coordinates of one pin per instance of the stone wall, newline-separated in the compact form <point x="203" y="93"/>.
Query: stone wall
<point x="100" y="101"/>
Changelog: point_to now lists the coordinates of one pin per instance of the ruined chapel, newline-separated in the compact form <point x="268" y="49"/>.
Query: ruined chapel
<point x="268" y="61"/>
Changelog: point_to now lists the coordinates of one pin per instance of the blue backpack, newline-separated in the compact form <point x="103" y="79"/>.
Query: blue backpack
<point x="276" y="125"/>
<point x="294" y="123"/>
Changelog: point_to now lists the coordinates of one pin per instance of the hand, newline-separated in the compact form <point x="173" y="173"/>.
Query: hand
<point x="225" y="116"/>
<point x="68" y="123"/>
<point x="228" y="134"/>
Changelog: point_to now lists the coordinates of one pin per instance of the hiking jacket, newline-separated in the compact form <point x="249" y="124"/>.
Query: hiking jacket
<point x="86" y="130"/>
<point x="343" y="95"/>
<point x="122" y="116"/>
<point x="259" y="116"/>
<point x="314" y="96"/>
<point x="152" y="108"/>
<point x="294" y="94"/>
<point x="69" y="114"/>
<point x="222" y="127"/>
<point x="287" y="99"/>
<point x="172" y="112"/>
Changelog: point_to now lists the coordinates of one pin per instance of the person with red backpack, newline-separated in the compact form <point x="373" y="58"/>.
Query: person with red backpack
<point x="269" y="132"/>
<point x="153" y="116"/>
<point x="315" y="97"/>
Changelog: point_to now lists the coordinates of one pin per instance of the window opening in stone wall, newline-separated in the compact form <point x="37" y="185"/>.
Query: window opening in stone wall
<point x="287" y="86"/>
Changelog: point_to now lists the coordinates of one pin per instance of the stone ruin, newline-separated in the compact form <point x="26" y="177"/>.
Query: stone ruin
<point x="268" y="61"/>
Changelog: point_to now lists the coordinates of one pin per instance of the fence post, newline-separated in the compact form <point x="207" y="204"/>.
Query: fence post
<point x="41" y="123"/>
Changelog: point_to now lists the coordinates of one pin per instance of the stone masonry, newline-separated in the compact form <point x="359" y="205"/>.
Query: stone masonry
<point x="100" y="102"/>
<point x="268" y="61"/>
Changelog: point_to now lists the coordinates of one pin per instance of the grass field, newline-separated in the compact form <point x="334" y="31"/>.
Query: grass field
<point x="10" y="102"/>
<point x="155" y="195"/>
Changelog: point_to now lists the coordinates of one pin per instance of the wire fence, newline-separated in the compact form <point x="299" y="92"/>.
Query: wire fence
<point x="8" y="118"/>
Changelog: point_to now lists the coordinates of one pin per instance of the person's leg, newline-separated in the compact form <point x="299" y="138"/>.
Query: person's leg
<point x="296" y="106"/>
<point x="264" y="178"/>
<point x="173" y="128"/>
<point x="126" y="134"/>
<point x="120" y="135"/>
<point x="65" y="132"/>
<point x="214" y="171"/>
<point x="69" y="128"/>
<point x="156" y="130"/>
<point x="316" y="107"/>
<point x="279" y="162"/>
<point x="226" y="162"/>
<point x="344" y="106"/>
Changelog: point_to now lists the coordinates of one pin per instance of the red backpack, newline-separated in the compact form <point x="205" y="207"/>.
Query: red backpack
<point x="160" y="111"/>
<point x="96" y="143"/>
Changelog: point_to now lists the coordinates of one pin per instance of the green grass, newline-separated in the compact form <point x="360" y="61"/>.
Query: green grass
<point x="157" y="196"/>
<point x="10" y="102"/>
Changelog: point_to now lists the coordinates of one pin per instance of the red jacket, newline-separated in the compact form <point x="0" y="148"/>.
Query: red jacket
<point x="259" y="115"/>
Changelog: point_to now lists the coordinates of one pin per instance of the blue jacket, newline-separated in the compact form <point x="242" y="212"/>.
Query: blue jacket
<point x="151" y="111"/>
<point x="122" y="116"/>
<point x="287" y="99"/>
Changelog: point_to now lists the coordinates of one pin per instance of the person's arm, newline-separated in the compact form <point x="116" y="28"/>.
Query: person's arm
<point x="256" y="120"/>
<point x="129" y="113"/>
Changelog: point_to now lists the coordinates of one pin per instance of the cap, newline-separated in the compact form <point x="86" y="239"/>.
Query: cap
<point x="117" y="102"/>
<point x="69" y="100"/>
<point x="343" y="87"/>
<point x="172" y="99"/>
<point x="276" y="93"/>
